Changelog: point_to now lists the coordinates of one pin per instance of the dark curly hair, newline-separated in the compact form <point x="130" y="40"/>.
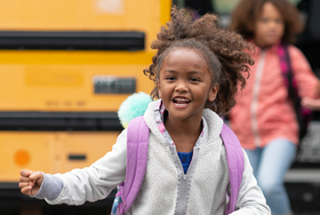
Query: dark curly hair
<point x="222" y="49"/>
<point x="248" y="11"/>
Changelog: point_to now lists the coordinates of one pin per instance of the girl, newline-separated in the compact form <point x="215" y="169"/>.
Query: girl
<point x="270" y="135"/>
<point x="197" y="66"/>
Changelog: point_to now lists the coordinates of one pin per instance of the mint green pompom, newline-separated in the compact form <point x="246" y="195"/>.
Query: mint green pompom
<point x="134" y="106"/>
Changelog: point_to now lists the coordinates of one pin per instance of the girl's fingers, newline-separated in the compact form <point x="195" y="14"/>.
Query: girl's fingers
<point x="311" y="103"/>
<point x="24" y="179"/>
<point x="26" y="190"/>
<point x="23" y="184"/>
<point x="28" y="180"/>
<point x="35" y="177"/>
<point x="26" y="172"/>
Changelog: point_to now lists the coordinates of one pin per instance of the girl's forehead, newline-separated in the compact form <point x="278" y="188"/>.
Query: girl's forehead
<point x="268" y="8"/>
<point x="186" y="61"/>
<point x="182" y="57"/>
<point x="186" y="56"/>
<point x="185" y="51"/>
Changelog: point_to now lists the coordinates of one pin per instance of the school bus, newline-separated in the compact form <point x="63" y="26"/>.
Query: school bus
<point x="65" y="68"/>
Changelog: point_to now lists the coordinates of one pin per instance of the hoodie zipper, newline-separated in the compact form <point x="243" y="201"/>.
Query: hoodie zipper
<point x="255" y="98"/>
<point x="183" y="189"/>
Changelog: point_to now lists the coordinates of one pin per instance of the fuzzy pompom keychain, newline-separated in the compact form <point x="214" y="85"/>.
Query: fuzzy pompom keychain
<point x="134" y="106"/>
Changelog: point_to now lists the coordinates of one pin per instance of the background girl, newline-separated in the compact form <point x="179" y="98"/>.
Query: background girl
<point x="264" y="117"/>
<point x="197" y="66"/>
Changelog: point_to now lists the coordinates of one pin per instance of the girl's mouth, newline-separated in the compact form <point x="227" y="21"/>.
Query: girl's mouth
<point x="181" y="102"/>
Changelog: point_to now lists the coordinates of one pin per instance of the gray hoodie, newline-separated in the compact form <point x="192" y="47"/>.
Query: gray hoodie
<point x="165" y="189"/>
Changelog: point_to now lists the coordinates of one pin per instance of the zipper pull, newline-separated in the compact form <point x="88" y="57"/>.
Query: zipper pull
<point x="185" y="177"/>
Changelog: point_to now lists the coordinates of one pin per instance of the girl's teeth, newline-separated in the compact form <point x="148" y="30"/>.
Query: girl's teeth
<point x="182" y="100"/>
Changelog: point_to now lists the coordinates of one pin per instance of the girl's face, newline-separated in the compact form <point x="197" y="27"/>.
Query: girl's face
<point x="269" y="28"/>
<point x="185" y="84"/>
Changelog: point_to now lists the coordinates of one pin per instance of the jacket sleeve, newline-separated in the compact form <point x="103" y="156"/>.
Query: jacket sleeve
<point x="90" y="183"/>
<point x="250" y="199"/>
<point x="306" y="79"/>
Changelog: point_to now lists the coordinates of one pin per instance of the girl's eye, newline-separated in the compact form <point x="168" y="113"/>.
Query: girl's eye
<point x="278" y="21"/>
<point x="194" y="79"/>
<point x="170" y="78"/>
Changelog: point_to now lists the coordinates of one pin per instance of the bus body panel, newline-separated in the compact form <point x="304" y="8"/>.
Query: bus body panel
<point x="72" y="84"/>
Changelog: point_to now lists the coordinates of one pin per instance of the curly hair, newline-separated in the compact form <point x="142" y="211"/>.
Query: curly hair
<point x="204" y="34"/>
<point x="248" y="11"/>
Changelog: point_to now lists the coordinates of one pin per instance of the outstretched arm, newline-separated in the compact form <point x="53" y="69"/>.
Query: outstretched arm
<point x="250" y="199"/>
<point x="80" y="185"/>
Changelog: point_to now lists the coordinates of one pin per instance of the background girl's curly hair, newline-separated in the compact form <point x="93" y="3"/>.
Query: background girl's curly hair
<point x="226" y="45"/>
<point x="247" y="12"/>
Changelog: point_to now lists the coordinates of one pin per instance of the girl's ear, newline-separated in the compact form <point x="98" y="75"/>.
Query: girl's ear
<point x="213" y="92"/>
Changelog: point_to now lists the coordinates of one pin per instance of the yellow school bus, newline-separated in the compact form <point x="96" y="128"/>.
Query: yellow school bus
<point x="65" y="68"/>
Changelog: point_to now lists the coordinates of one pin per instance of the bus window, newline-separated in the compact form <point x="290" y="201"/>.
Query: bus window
<point x="226" y="6"/>
<point x="202" y="7"/>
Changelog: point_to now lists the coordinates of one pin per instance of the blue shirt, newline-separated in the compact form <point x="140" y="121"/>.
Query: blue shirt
<point x="185" y="158"/>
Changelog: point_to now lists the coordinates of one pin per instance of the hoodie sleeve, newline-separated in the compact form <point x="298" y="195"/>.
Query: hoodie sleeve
<point x="90" y="183"/>
<point x="306" y="79"/>
<point x="250" y="199"/>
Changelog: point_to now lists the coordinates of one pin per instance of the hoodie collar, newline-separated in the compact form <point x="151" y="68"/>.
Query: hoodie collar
<point x="212" y="124"/>
<point x="258" y="49"/>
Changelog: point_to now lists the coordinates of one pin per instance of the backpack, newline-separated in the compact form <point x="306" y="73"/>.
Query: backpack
<point x="137" y="156"/>
<point x="303" y="114"/>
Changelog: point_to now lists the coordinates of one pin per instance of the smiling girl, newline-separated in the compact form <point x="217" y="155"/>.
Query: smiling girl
<point x="197" y="67"/>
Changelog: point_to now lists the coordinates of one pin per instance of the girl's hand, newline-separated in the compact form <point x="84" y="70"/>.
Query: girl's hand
<point x="30" y="182"/>
<point x="313" y="104"/>
<point x="318" y="88"/>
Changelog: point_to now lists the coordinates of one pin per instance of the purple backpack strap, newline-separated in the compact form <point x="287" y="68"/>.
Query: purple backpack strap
<point x="137" y="156"/>
<point x="235" y="160"/>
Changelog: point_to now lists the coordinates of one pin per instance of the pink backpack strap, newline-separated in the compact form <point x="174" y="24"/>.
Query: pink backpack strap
<point x="137" y="156"/>
<point x="235" y="160"/>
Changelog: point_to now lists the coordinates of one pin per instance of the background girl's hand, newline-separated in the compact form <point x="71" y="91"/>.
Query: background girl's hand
<point x="313" y="104"/>
<point x="30" y="182"/>
<point x="318" y="88"/>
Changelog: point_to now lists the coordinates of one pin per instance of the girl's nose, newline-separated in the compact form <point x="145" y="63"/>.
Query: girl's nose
<point x="273" y="24"/>
<point x="181" y="87"/>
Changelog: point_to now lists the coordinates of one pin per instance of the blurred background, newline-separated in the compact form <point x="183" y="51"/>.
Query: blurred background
<point x="65" y="68"/>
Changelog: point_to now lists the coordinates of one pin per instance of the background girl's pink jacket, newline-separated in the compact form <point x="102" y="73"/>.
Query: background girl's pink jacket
<point x="263" y="111"/>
